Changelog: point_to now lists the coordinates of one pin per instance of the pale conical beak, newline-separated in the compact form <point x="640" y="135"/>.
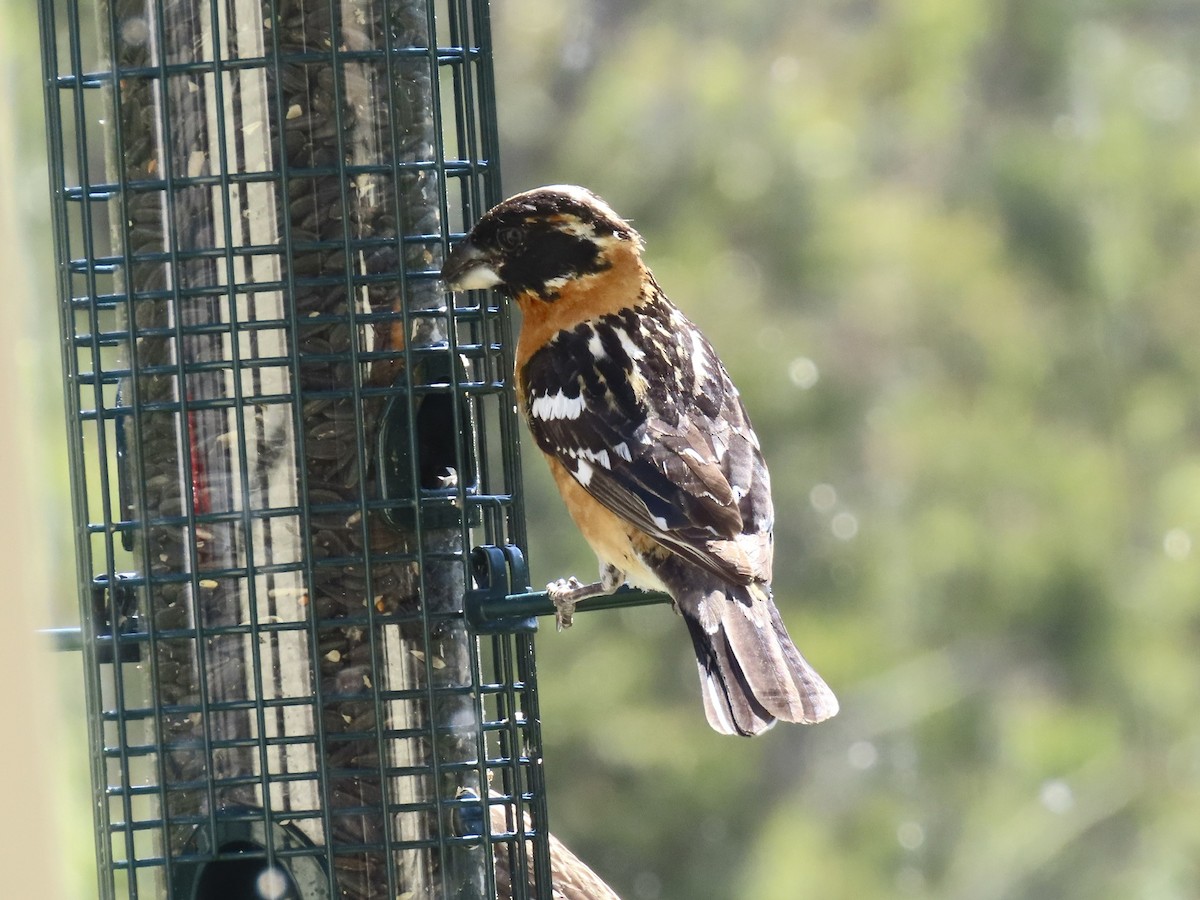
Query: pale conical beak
<point x="468" y="268"/>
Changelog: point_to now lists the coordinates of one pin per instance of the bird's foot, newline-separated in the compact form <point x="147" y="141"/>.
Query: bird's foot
<point x="566" y="593"/>
<point x="561" y="593"/>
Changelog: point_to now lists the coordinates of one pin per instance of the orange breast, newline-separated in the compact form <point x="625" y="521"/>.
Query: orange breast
<point x="614" y="540"/>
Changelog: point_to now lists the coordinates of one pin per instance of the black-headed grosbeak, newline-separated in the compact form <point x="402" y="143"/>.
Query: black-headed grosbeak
<point x="648" y="443"/>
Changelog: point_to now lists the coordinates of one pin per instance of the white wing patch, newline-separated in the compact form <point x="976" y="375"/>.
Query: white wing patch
<point x="595" y="347"/>
<point x="584" y="459"/>
<point x="632" y="350"/>
<point x="592" y="456"/>
<point x="622" y="450"/>
<point x="699" y="358"/>
<point x="549" y="407"/>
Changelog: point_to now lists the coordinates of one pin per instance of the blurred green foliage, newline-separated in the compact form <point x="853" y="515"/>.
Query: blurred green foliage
<point x="950" y="251"/>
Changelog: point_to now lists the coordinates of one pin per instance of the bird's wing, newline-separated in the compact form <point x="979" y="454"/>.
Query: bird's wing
<point x="674" y="456"/>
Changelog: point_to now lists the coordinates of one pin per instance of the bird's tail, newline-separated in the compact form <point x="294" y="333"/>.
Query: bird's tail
<point x="751" y="673"/>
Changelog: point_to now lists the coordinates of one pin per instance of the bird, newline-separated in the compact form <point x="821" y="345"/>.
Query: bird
<point x="571" y="878"/>
<point x="647" y="440"/>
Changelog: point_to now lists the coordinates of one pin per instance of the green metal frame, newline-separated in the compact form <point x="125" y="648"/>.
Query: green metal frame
<point x="213" y="659"/>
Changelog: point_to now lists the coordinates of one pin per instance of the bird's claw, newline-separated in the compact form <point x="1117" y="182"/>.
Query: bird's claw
<point x="564" y="604"/>
<point x="564" y="614"/>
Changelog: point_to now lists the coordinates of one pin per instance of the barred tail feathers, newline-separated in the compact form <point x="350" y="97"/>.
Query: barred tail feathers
<point x="751" y="673"/>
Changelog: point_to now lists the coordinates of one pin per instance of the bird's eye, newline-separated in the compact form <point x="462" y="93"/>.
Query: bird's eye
<point x="509" y="238"/>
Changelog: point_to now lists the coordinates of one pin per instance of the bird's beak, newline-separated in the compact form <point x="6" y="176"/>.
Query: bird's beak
<point x="468" y="268"/>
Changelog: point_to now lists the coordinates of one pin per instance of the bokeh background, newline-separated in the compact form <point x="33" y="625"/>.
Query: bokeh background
<point x="950" y="250"/>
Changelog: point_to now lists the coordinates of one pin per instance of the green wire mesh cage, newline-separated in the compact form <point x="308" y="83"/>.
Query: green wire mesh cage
<point x="284" y="442"/>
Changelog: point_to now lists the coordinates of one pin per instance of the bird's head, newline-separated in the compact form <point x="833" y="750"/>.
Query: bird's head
<point x="536" y="242"/>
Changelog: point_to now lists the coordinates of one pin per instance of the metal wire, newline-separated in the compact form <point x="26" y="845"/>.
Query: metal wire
<point x="284" y="444"/>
